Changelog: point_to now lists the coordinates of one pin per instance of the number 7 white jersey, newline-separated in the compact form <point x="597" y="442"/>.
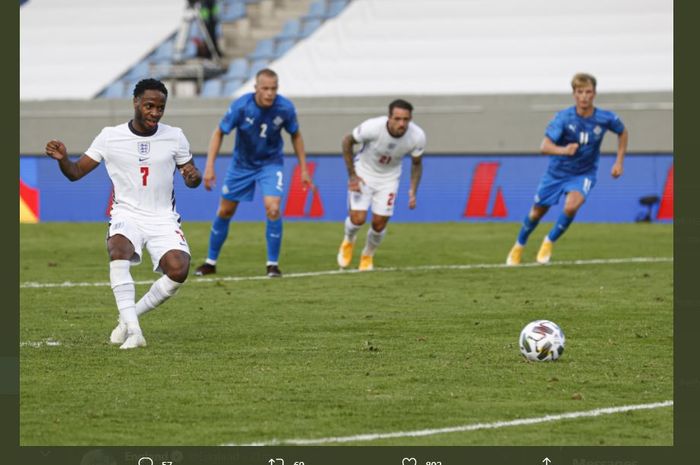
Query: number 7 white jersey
<point x="381" y="153"/>
<point x="142" y="168"/>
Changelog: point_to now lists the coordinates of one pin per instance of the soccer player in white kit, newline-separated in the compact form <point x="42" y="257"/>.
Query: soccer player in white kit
<point x="140" y="157"/>
<point x="374" y="175"/>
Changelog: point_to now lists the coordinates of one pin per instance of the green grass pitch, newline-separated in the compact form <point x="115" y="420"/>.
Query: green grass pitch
<point x="408" y="347"/>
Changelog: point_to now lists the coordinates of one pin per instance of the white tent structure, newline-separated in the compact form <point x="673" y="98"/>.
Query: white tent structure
<point x="447" y="47"/>
<point x="71" y="49"/>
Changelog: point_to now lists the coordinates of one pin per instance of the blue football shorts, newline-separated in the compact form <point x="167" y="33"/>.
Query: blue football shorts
<point x="551" y="189"/>
<point x="239" y="183"/>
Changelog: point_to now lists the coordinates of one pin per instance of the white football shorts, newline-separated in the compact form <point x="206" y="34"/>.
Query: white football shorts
<point x="380" y="195"/>
<point x="158" y="238"/>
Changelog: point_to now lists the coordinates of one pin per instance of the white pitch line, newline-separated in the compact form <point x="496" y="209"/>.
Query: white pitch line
<point x="459" y="429"/>
<point x="475" y="266"/>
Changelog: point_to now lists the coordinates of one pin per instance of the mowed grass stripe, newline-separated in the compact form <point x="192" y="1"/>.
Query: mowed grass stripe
<point x="608" y="261"/>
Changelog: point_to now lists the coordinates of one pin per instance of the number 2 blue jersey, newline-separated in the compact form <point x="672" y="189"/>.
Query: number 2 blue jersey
<point x="258" y="130"/>
<point x="568" y="127"/>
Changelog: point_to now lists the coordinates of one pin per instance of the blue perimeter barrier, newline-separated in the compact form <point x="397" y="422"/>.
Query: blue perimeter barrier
<point x="495" y="188"/>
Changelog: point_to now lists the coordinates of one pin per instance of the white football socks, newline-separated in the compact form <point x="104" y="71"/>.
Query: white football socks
<point x="124" y="294"/>
<point x="351" y="230"/>
<point x="374" y="238"/>
<point x="160" y="291"/>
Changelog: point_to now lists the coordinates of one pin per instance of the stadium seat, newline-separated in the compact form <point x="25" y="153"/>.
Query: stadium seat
<point x="232" y="11"/>
<point x="290" y="30"/>
<point x="139" y="71"/>
<point x="317" y="10"/>
<point x="114" y="90"/>
<point x="211" y="88"/>
<point x="283" y="46"/>
<point x="256" y="66"/>
<point x="164" y="52"/>
<point x="335" y="7"/>
<point x="264" y="49"/>
<point x="237" y="69"/>
<point x="130" y="85"/>
<point x="309" y="27"/>
<point x="231" y="86"/>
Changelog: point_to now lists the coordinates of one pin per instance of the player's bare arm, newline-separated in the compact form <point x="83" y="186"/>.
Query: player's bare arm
<point x="622" y="140"/>
<point x="212" y="151"/>
<point x="300" y="151"/>
<point x="353" y="179"/>
<point x="550" y="148"/>
<point x="416" y="173"/>
<point x="190" y="174"/>
<point x="73" y="171"/>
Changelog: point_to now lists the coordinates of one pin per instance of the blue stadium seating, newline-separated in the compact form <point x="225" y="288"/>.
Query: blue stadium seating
<point x="139" y="71"/>
<point x="335" y="7"/>
<point x="290" y="30"/>
<point x="232" y="11"/>
<point x="264" y="49"/>
<point x="283" y="46"/>
<point x="256" y="66"/>
<point x="309" y="27"/>
<point x="237" y="69"/>
<point x="114" y="90"/>
<point x="211" y="88"/>
<point x="317" y="10"/>
<point x="164" y="52"/>
<point x="231" y="86"/>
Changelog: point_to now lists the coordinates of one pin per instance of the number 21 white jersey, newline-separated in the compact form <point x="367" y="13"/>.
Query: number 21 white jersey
<point x="142" y="168"/>
<point x="381" y="153"/>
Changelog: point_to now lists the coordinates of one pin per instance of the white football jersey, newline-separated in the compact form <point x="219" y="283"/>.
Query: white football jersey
<point x="142" y="168"/>
<point x="381" y="153"/>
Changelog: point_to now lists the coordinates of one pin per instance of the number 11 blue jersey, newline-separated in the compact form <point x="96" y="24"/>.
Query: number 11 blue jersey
<point x="568" y="127"/>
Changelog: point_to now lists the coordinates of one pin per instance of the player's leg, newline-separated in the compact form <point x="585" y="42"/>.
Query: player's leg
<point x="532" y="219"/>
<point x="273" y="234"/>
<point x="375" y="235"/>
<point x="383" y="202"/>
<point x="124" y="247"/>
<point x="548" y="193"/>
<point x="358" y="204"/>
<point x="353" y="223"/>
<point x="217" y="235"/>
<point x="170" y="254"/>
<point x="577" y="190"/>
<point x="239" y="185"/>
<point x="271" y="179"/>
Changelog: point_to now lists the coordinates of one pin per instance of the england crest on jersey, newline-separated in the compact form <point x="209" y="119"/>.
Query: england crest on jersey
<point x="143" y="147"/>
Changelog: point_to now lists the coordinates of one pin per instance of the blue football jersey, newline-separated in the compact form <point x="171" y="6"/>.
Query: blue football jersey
<point x="259" y="130"/>
<point x="568" y="127"/>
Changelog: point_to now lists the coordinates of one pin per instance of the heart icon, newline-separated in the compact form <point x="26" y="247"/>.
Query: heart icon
<point x="409" y="461"/>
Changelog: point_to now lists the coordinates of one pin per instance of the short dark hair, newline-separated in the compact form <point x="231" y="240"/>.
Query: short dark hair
<point x="400" y="103"/>
<point x="149" y="84"/>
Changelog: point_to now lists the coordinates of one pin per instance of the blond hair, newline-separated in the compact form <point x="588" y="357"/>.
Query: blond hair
<point x="583" y="79"/>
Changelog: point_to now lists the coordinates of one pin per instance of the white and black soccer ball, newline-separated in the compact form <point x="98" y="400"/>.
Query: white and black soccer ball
<point x="542" y="341"/>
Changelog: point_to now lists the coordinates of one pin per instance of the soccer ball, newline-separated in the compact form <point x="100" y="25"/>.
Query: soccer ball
<point x="542" y="341"/>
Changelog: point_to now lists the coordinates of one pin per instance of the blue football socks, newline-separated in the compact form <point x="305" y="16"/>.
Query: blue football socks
<point x="217" y="237"/>
<point x="528" y="226"/>
<point x="560" y="227"/>
<point x="273" y="234"/>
